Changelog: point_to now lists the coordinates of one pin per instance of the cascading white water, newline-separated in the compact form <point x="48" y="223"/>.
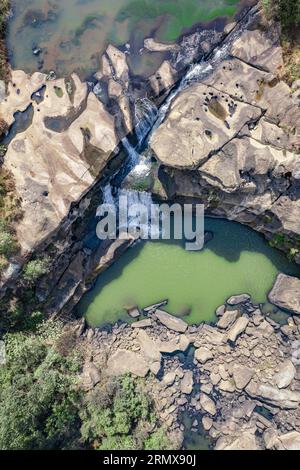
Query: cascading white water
<point x="145" y="114"/>
<point x="107" y="195"/>
<point x="150" y="118"/>
<point x="132" y="153"/>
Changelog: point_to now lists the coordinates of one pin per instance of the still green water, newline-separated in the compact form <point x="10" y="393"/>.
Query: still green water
<point x="236" y="261"/>
<point x="73" y="33"/>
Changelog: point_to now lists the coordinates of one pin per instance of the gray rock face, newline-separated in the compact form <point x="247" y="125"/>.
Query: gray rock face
<point x="124" y="362"/>
<point x="286" y="293"/>
<point x="171" y="322"/>
<point x="285" y="399"/>
<point x="205" y="120"/>
<point x="207" y="404"/>
<point x="242" y="375"/>
<point x="285" y="375"/>
<point x="203" y="355"/>
<point x="227" y="319"/>
<point x="239" y="326"/>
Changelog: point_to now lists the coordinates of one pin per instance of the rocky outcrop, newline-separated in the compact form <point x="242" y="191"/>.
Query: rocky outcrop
<point x="59" y="157"/>
<point x="286" y="293"/>
<point x="239" y="139"/>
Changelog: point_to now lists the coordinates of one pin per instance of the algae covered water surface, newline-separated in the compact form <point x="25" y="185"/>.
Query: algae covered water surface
<point x="72" y="34"/>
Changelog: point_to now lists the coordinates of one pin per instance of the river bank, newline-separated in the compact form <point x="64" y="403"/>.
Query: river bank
<point x="238" y="381"/>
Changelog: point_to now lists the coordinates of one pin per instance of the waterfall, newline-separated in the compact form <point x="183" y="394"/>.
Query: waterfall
<point x="132" y="153"/>
<point x="107" y="195"/>
<point x="149" y="118"/>
<point x="145" y="115"/>
<point x="137" y="198"/>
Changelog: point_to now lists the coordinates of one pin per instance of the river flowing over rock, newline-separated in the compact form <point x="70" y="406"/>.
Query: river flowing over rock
<point x="239" y="128"/>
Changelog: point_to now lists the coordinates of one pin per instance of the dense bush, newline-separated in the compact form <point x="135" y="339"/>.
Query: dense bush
<point x="44" y="407"/>
<point x="38" y="392"/>
<point x="35" y="269"/>
<point x="287" y="11"/>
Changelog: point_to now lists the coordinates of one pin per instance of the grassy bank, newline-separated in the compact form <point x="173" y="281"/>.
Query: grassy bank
<point x="288" y="13"/>
<point x="4" y="69"/>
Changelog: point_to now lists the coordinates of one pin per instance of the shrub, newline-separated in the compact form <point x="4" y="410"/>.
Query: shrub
<point x="38" y="393"/>
<point x="7" y="243"/>
<point x="35" y="269"/>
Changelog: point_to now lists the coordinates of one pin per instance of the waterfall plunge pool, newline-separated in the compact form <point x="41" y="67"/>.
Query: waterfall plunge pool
<point x="237" y="260"/>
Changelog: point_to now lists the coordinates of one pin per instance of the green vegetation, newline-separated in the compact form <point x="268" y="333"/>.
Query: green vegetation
<point x="43" y="405"/>
<point x="9" y="212"/>
<point x="38" y="392"/>
<point x="119" y="416"/>
<point x="58" y="91"/>
<point x="288" y="13"/>
<point x="282" y="242"/>
<point x="35" y="269"/>
<point x="4" y="9"/>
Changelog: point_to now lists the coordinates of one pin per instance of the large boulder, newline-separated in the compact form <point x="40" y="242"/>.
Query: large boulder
<point x="242" y="375"/>
<point x="290" y="441"/>
<point x="127" y="362"/>
<point x="286" y="293"/>
<point x="237" y="329"/>
<point x="207" y="404"/>
<point x="284" y="399"/>
<point x="149" y="350"/>
<point x="58" y="157"/>
<point x="285" y="375"/>
<point x="171" y="322"/>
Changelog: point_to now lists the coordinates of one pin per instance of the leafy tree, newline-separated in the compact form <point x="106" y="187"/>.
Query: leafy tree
<point x="38" y="393"/>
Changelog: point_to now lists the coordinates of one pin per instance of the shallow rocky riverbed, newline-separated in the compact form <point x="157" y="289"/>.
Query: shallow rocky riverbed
<point x="239" y="380"/>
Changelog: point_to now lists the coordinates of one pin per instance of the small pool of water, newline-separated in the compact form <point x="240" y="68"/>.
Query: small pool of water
<point x="236" y="261"/>
<point x="73" y="33"/>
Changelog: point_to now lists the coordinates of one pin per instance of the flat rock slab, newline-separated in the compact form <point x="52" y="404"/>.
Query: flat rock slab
<point x="286" y="293"/>
<point x="205" y="119"/>
<point x="171" y="322"/>
<point x="179" y="344"/>
<point x="284" y="399"/>
<point x="127" y="362"/>
<point x="142" y="323"/>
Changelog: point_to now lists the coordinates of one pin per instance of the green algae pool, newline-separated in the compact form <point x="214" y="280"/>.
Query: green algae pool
<point x="73" y="33"/>
<point x="236" y="261"/>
